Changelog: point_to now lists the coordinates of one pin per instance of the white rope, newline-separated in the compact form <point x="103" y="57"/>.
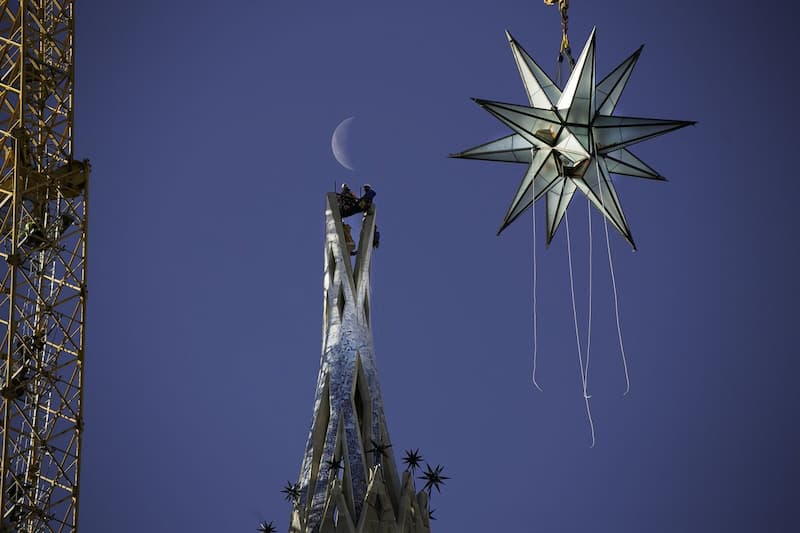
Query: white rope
<point x="614" y="285"/>
<point x="589" y="327"/>
<point x="616" y="312"/>
<point x="535" y="339"/>
<point x="577" y="335"/>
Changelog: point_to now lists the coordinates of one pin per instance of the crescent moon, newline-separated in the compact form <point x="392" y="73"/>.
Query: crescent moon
<point x="340" y="142"/>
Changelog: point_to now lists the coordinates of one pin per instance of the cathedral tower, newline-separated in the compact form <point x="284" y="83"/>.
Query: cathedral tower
<point x="349" y="480"/>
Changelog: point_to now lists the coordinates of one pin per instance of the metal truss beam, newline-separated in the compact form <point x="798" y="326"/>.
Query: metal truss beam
<point x="43" y="226"/>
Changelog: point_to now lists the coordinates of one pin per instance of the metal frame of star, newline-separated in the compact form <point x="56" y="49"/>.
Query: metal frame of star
<point x="570" y="139"/>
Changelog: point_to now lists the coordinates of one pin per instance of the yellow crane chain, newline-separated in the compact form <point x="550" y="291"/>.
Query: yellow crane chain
<point x="563" y="6"/>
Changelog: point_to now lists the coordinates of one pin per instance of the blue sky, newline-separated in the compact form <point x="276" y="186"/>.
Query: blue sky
<point x="208" y="127"/>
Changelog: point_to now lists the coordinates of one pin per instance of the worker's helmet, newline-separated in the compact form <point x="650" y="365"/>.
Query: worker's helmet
<point x="367" y="186"/>
<point x="345" y="187"/>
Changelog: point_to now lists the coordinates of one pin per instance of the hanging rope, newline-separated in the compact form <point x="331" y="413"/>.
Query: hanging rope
<point x="589" y="326"/>
<point x="535" y="340"/>
<point x="577" y="335"/>
<point x="616" y="313"/>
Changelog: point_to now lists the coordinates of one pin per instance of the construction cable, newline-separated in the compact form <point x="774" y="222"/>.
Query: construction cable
<point x="577" y="334"/>
<point x="616" y="306"/>
<point x="535" y="339"/>
<point x="589" y="325"/>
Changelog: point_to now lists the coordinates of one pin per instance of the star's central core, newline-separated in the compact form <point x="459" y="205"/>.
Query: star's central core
<point x="574" y="169"/>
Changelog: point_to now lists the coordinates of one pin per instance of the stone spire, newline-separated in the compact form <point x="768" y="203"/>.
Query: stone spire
<point x="349" y="480"/>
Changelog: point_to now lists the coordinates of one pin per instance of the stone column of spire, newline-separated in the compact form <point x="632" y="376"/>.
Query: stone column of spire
<point x="349" y="480"/>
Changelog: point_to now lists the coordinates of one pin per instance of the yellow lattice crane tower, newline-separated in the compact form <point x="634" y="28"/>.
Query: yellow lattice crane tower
<point x="43" y="224"/>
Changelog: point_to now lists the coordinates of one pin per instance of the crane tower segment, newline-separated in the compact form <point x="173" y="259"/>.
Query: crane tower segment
<point x="43" y="228"/>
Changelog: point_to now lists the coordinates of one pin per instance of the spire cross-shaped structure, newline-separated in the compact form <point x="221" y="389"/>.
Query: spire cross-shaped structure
<point x="344" y="487"/>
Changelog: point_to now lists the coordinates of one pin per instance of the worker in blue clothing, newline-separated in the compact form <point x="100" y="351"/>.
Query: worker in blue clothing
<point x="365" y="202"/>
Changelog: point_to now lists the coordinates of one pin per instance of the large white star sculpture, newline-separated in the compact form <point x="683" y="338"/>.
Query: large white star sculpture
<point x="570" y="140"/>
